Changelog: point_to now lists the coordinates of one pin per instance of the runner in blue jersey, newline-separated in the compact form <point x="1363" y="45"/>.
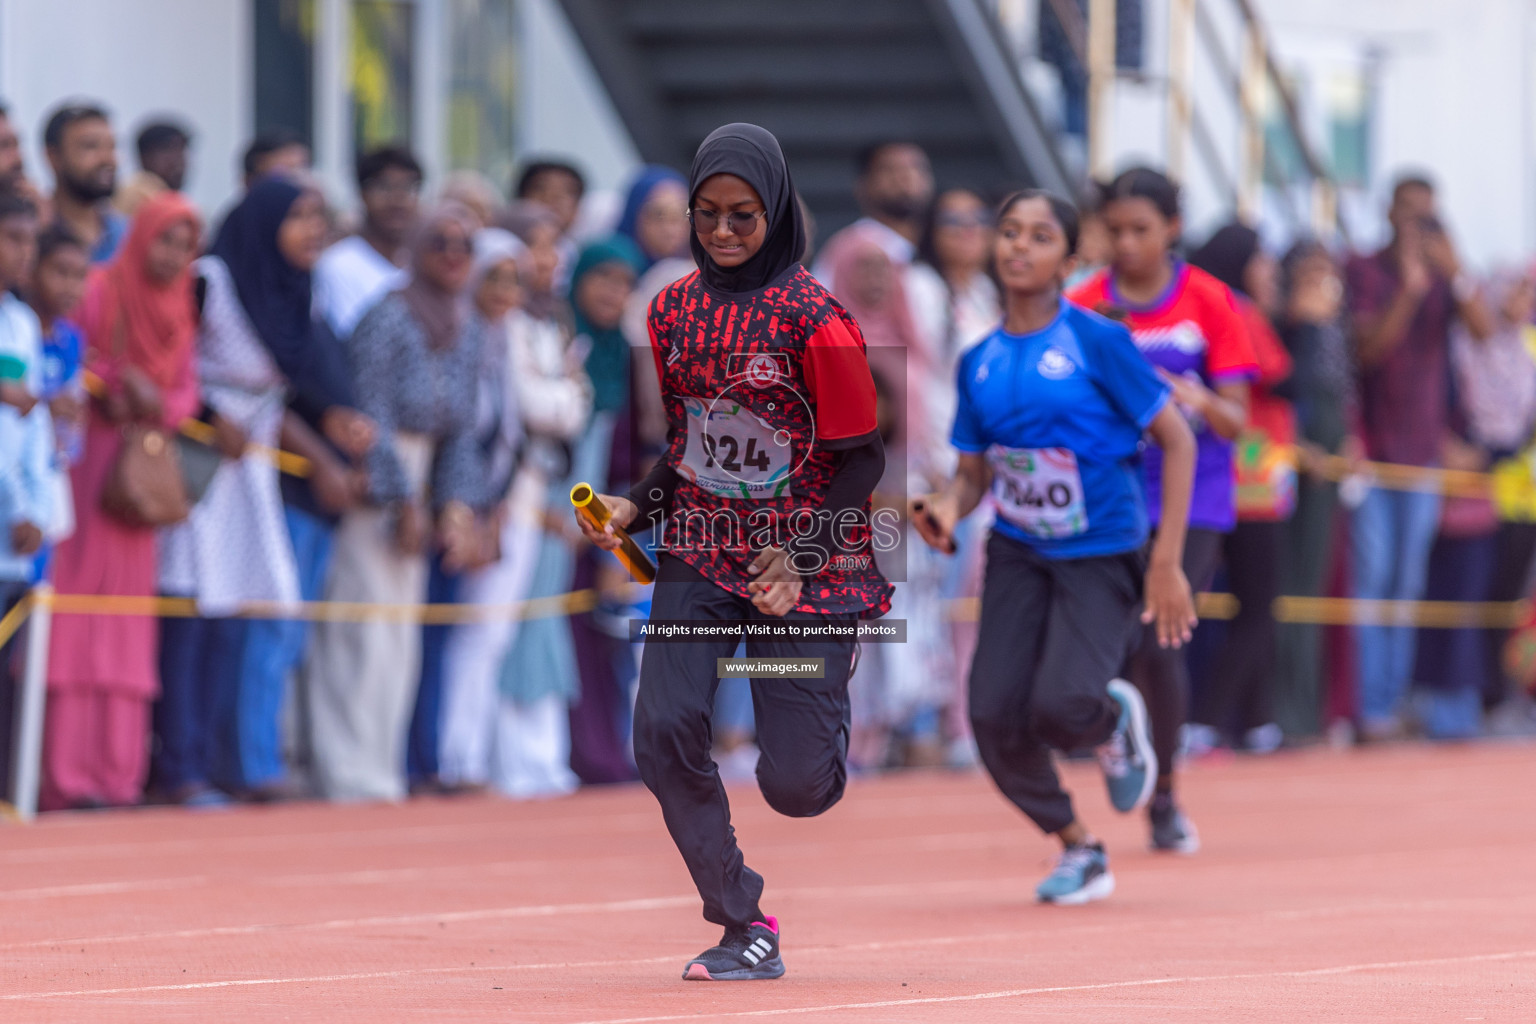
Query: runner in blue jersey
<point x="1053" y="408"/>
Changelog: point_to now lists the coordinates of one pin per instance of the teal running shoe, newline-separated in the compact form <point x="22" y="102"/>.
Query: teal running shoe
<point x="1128" y="760"/>
<point x="1081" y="876"/>
<point x="1172" y="831"/>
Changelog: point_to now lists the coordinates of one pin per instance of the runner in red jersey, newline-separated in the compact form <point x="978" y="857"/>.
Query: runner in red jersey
<point x="1188" y="326"/>
<point x="772" y="456"/>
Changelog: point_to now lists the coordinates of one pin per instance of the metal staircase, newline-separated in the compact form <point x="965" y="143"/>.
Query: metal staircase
<point x="828" y="77"/>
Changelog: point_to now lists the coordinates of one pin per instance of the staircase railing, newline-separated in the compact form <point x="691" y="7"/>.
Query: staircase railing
<point x="977" y="30"/>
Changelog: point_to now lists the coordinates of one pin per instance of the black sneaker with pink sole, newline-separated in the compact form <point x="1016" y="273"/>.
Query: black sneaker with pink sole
<point x="750" y="955"/>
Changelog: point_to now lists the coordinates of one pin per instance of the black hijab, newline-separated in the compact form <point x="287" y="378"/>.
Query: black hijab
<point x="1226" y="256"/>
<point x="275" y="294"/>
<point x="753" y="155"/>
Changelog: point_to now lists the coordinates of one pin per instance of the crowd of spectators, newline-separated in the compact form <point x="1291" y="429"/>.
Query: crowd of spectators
<point x="445" y="370"/>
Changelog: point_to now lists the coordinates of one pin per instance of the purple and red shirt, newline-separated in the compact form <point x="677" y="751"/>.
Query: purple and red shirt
<point x="1193" y="329"/>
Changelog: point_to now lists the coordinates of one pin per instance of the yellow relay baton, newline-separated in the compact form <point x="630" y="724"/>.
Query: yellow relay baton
<point x="596" y="514"/>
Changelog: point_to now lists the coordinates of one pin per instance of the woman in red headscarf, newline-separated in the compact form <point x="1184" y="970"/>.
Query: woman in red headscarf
<point x="140" y="324"/>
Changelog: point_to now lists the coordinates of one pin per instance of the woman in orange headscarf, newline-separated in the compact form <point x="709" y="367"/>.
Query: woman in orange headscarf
<point x="140" y="325"/>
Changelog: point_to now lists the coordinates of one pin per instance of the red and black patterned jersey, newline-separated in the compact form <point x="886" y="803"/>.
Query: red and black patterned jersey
<point x="761" y="390"/>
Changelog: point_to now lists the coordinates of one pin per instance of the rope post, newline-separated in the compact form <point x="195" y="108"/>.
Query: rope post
<point x="1101" y="88"/>
<point x="27" y="773"/>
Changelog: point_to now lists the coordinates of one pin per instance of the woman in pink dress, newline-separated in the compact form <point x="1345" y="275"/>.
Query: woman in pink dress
<point x="139" y="323"/>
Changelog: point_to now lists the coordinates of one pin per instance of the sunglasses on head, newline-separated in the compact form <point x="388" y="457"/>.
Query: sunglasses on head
<point x="444" y="246"/>
<point x="741" y="223"/>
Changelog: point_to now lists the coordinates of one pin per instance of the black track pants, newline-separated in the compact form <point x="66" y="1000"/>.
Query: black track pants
<point x="1241" y="691"/>
<point x="1053" y="634"/>
<point x="802" y="734"/>
<point x="1162" y="673"/>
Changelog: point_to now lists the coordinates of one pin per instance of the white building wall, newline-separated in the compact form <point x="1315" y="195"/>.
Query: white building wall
<point x="1141" y="121"/>
<point x="193" y="59"/>
<point x="564" y="107"/>
<point x="139" y="58"/>
<point x="1454" y="97"/>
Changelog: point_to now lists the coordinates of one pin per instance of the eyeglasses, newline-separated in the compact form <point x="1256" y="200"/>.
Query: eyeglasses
<point x="657" y="212"/>
<point x="979" y="219"/>
<point x="444" y="246"/>
<point x="394" y="189"/>
<point x="741" y="223"/>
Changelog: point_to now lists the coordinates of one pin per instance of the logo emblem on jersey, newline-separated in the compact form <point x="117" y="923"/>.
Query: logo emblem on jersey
<point x="760" y="369"/>
<point x="1055" y="364"/>
<point x="983" y="373"/>
<point x="1184" y="336"/>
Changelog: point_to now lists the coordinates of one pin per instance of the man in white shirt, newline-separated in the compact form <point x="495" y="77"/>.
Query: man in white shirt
<point x="356" y="272"/>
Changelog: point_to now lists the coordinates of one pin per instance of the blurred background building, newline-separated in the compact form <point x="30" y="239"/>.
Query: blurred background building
<point x="995" y="89"/>
<point x="469" y="83"/>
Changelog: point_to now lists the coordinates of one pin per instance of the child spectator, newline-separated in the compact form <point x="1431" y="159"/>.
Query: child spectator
<point x="26" y="432"/>
<point x="58" y="283"/>
<point x="19" y="333"/>
<point x="27" y="495"/>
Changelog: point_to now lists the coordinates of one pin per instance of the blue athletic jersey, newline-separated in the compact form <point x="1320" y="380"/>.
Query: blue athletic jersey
<point x="1060" y="415"/>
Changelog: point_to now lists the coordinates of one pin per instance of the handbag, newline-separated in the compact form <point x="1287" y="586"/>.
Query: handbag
<point x="199" y="462"/>
<point x="145" y="487"/>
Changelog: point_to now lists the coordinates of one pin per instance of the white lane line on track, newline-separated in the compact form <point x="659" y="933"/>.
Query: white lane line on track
<point x="900" y="889"/>
<point x="379" y="876"/>
<point x="1019" y="993"/>
<point x="322" y="978"/>
<point x="785" y="1011"/>
<point x="803" y="849"/>
<point x="897" y="889"/>
<point x="497" y="830"/>
<point x="861" y="947"/>
<point x="104" y="888"/>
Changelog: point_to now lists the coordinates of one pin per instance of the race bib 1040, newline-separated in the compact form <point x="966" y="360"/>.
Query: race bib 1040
<point x="1039" y="490"/>
<point x="732" y="453"/>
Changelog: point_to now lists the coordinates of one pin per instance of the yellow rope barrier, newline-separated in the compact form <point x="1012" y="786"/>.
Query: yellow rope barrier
<point x="1325" y="611"/>
<point x="1342" y="611"/>
<point x="197" y="430"/>
<point x="15" y="619"/>
<point x="1347" y="611"/>
<point x="286" y="462"/>
<point x="1454" y="483"/>
<point x="572" y="603"/>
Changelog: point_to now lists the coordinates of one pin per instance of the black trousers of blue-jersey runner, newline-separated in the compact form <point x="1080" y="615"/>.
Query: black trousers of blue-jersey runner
<point x="802" y="735"/>
<point x="1162" y="673"/>
<point x="1053" y="634"/>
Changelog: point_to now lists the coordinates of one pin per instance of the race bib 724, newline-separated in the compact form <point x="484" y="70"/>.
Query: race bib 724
<point x="732" y="453"/>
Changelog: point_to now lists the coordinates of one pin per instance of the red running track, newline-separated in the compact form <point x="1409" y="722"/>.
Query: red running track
<point x="1394" y="885"/>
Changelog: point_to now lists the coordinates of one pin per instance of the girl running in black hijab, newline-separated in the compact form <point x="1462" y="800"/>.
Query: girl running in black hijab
<point x="772" y="455"/>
